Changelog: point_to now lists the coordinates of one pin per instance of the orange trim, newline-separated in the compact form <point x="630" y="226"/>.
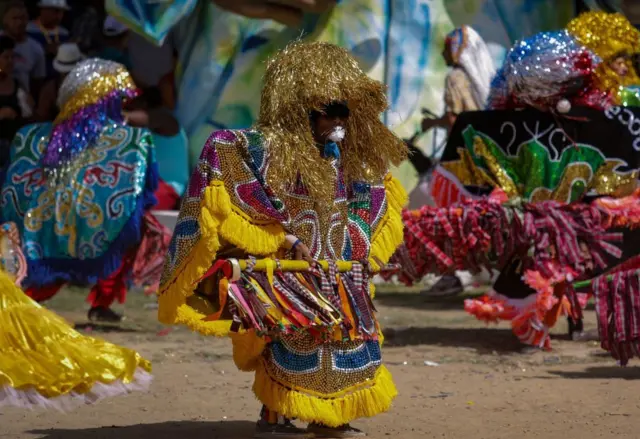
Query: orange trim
<point x="346" y="307"/>
<point x="223" y="292"/>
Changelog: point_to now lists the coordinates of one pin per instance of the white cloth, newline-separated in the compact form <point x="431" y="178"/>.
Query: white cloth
<point x="477" y="61"/>
<point x="23" y="101"/>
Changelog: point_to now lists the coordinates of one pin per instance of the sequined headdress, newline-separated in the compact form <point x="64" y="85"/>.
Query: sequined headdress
<point x="469" y="51"/>
<point x="544" y="69"/>
<point x="304" y="77"/>
<point x="608" y="36"/>
<point x="90" y="97"/>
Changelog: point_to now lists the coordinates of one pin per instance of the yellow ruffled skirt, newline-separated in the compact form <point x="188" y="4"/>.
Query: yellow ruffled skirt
<point x="44" y="362"/>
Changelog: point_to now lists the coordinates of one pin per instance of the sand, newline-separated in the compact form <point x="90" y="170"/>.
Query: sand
<point x="456" y="377"/>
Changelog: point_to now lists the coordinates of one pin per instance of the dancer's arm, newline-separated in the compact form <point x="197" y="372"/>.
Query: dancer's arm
<point x="420" y="162"/>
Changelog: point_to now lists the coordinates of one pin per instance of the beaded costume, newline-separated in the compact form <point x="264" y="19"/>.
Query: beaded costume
<point x="44" y="362"/>
<point x="312" y="340"/>
<point x="522" y="190"/>
<point x="79" y="189"/>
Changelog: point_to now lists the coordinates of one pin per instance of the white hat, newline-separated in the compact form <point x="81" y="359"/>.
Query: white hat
<point x="55" y="4"/>
<point x="113" y="28"/>
<point x="67" y="57"/>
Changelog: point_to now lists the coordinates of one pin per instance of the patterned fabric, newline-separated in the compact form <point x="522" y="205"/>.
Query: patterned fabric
<point x="312" y="374"/>
<point x="149" y="259"/>
<point x="537" y="156"/>
<point x="77" y="224"/>
<point x="239" y="159"/>
<point x="327" y="369"/>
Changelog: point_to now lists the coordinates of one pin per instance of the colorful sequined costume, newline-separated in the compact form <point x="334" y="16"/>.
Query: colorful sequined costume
<point x="79" y="189"/>
<point x="518" y="183"/>
<point x="44" y="362"/>
<point x="316" y="358"/>
<point x="609" y="36"/>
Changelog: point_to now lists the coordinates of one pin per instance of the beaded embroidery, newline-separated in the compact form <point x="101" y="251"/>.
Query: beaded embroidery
<point x="326" y="369"/>
<point x="239" y="159"/>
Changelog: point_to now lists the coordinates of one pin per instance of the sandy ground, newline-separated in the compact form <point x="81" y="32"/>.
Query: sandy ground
<point x="479" y="388"/>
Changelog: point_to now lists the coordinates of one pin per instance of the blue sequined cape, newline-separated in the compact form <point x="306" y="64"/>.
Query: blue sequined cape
<point x="78" y="224"/>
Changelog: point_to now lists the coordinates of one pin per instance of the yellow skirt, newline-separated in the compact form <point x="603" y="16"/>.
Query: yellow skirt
<point x="44" y="362"/>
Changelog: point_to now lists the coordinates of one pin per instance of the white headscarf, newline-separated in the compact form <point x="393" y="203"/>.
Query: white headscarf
<point x="470" y="52"/>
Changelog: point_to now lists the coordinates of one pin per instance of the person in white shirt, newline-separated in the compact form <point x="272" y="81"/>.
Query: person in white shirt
<point x="29" y="62"/>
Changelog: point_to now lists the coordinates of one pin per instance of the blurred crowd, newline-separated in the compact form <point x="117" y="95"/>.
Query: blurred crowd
<point x="42" y="40"/>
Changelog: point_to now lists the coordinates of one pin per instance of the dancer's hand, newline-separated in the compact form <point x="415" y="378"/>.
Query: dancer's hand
<point x="429" y="122"/>
<point x="287" y="12"/>
<point x="300" y="250"/>
<point x="136" y="118"/>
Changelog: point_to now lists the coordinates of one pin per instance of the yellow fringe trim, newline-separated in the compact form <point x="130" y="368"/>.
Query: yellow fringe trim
<point x="247" y="350"/>
<point x="390" y="233"/>
<point x="218" y="218"/>
<point x="332" y="411"/>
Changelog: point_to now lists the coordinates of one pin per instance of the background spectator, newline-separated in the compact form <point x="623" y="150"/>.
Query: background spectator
<point x="15" y="104"/>
<point x="116" y="38"/>
<point x="47" y="29"/>
<point x="29" y="63"/>
<point x="68" y="56"/>
<point x="167" y="85"/>
<point x="87" y="26"/>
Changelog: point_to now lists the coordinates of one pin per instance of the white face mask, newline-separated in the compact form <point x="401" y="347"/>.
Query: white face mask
<point x="337" y="135"/>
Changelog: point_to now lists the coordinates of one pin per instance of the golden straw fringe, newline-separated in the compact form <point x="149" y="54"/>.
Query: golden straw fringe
<point x="172" y="306"/>
<point x="258" y="240"/>
<point x="333" y="412"/>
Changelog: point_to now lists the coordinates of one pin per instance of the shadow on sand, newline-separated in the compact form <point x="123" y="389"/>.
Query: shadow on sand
<point x="484" y="340"/>
<point x="416" y="300"/>
<point x="165" y="430"/>
<point x="102" y="328"/>
<point x="600" y="373"/>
